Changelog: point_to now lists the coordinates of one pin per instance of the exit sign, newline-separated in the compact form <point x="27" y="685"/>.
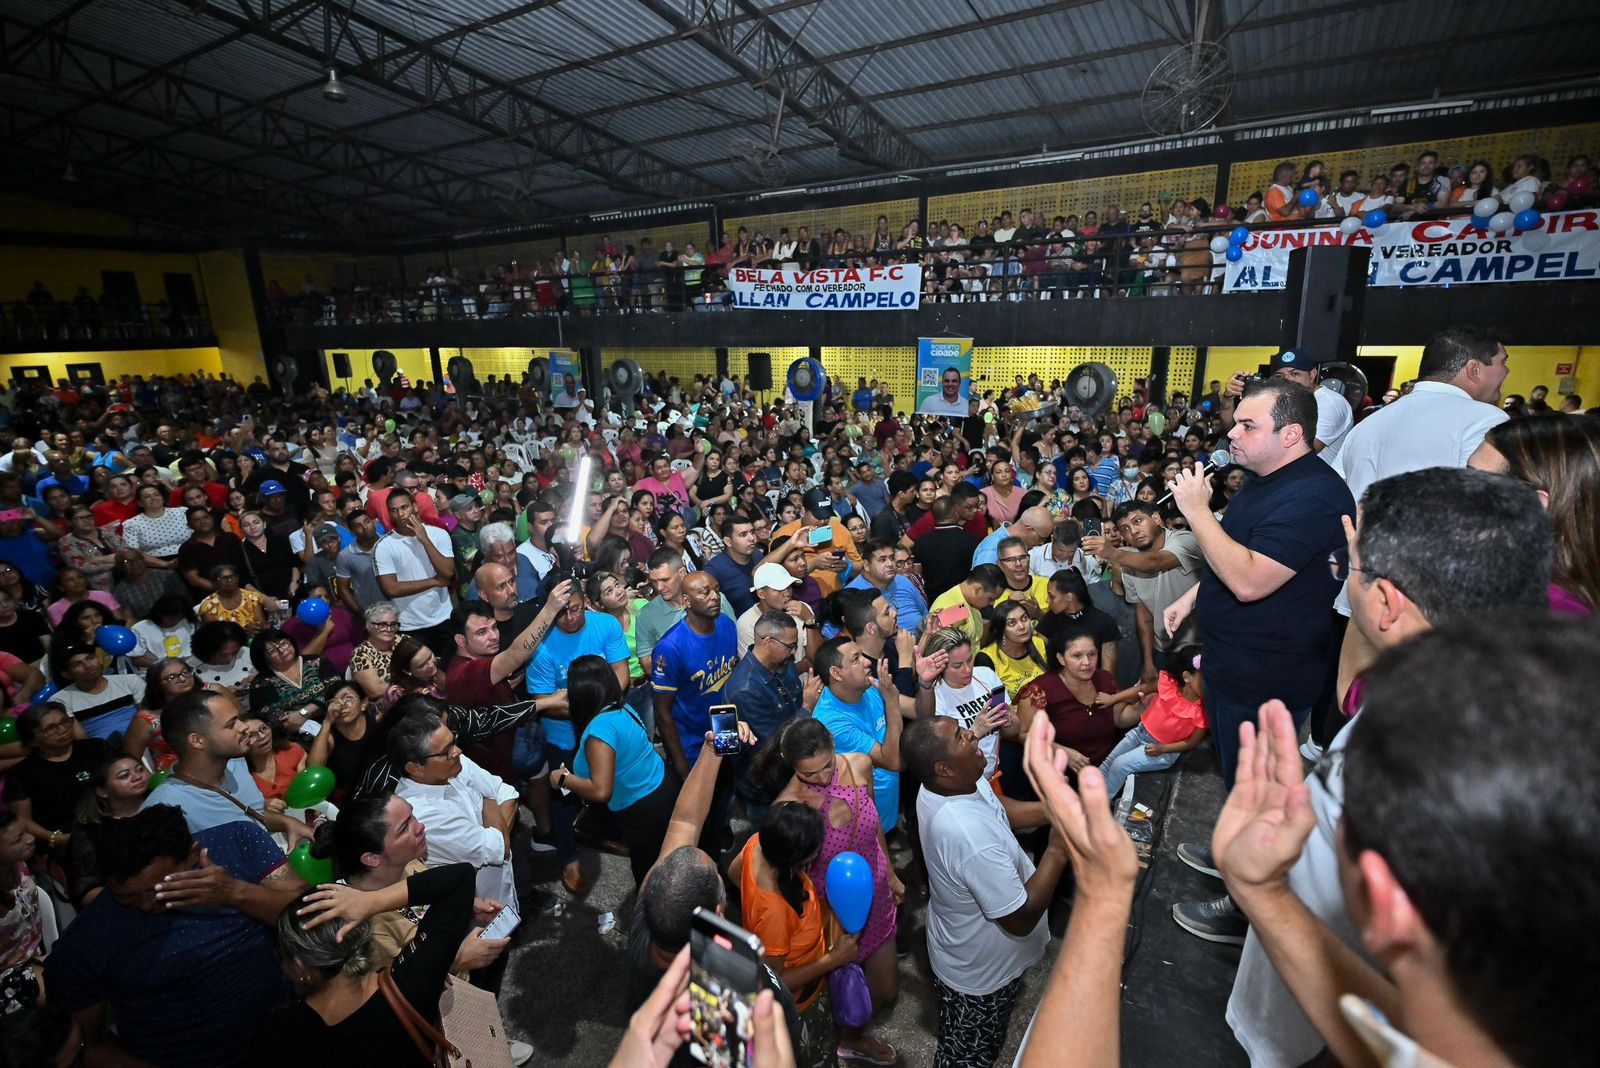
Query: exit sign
<point x="1563" y="369"/>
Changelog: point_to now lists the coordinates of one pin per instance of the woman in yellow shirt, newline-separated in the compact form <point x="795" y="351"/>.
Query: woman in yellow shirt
<point x="1014" y="651"/>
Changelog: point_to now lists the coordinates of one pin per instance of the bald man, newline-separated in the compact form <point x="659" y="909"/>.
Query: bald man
<point x="1034" y="526"/>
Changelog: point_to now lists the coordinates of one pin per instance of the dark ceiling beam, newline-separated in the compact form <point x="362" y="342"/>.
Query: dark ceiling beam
<point x="164" y="95"/>
<point x="205" y="190"/>
<point x="435" y="79"/>
<point x="774" y="61"/>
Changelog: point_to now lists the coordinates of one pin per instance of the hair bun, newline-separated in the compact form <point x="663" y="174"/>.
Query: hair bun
<point x="322" y="840"/>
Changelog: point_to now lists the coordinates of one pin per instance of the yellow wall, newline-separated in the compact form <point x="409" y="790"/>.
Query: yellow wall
<point x="63" y="270"/>
<point x="18" y="212"/>
<point x="116" y="364"/>
<point x="1075" y="197"/>
<point x="415" y="364"/>
<point x="1530" y="365"/>
<point x="233" y="315"/>
<point x="859" y="220"/>
<point x="1498" y="150"/>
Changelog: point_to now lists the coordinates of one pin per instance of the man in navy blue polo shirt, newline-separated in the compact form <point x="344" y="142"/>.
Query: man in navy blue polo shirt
<point x="1266" y="598"/>
<point x="768" y="693"/>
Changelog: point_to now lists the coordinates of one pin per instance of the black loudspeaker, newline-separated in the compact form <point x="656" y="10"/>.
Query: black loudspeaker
<point x="341" y="365"/>
<point x="760" y="371"/>
<point x="1327" y="288"/>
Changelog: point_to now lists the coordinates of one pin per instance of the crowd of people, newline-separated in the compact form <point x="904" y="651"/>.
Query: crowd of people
<point x="502" y="626"/>
<point x="1158" y="247"/>
<point x="41" y="316"/>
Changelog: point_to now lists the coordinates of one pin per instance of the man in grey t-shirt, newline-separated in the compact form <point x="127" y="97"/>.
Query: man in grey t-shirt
<point x="1158" y="566"/>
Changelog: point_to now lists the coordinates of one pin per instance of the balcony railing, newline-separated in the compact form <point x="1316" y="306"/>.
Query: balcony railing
<point x="58" y="323"/>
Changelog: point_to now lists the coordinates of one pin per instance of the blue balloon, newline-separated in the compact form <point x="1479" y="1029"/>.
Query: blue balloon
<point x="1234" y="254"/>
<point x="1309" y="198"/>
<point x="849" y="890"/>
<point x="116" y="640"/>
<point x="1375" y="218"/>
<point x="1239" y="235"/>
<point x="313" y="611"/>
<point x="1529" y="219"/>
<point x="45" y="692"/>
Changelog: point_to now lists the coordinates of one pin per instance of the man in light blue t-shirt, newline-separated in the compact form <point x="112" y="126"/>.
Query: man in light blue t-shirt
<point x="852" y="709"/>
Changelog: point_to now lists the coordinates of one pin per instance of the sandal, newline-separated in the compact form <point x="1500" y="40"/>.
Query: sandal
<point x="847" y="1053"/>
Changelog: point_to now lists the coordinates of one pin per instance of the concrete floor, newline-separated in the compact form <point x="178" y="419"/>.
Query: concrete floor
<point x="563" y="985"/>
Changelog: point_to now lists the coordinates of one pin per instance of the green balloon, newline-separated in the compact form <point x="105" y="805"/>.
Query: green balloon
<point x="388" y="424"/>
<point x="314" y="870"/>
<point x="160" y="777"/>
<point x="8" y="729"/>
<point x="311" y="787"/>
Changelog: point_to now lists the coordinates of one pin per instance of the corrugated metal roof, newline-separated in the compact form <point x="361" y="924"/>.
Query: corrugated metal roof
<point x="965" y="78"/>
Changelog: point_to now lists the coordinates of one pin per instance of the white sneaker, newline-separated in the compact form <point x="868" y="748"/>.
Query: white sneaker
<point x="521" y="1052"/>
<point x="1311" y="750"/>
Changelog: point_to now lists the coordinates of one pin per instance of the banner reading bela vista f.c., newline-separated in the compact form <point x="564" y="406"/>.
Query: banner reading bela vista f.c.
<point x="891" y="287"/>
<point x="1431" y="252"/>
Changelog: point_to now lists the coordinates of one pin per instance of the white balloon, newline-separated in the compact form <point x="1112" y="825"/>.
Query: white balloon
<point x="1503" y="222"/>
<point x="1350" y="224"/>
<point x="1521" y="202"/>
<point x="1220" y="245"/>
<point x="1486" y="207"/>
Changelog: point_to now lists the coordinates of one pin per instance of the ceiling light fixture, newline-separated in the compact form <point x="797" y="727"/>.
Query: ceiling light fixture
<point x="333" y="89"/>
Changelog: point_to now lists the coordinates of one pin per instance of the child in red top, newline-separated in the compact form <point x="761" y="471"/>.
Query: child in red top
<point x="1173" y="722"/>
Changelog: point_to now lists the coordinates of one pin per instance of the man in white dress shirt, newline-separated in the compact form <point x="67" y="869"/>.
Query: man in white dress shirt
<point x="469" y="813"/>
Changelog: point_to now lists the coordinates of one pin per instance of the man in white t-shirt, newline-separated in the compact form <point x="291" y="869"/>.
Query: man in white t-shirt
<point x="1347" y="198"/>
<point x="1335" y="417"/>
<point x="986" y="901"/>
<point x="415" y="565"/>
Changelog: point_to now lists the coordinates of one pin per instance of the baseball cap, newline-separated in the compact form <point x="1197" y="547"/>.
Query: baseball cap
<point x="818" y="503"/>
<point x="272" y="486"/>
<point x="1292" y="359"/>
<point x="326" y="530"/>
<point x="464" y="500"/>
<point x="772" y="577"/>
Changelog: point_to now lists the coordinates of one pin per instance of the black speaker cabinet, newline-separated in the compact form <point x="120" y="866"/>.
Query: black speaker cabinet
<point x="1327" y="288"/>
<point x="341" y="365"/>
<point x="760" y="371"/>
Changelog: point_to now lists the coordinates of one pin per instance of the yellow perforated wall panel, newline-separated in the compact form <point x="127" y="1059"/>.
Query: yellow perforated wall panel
<point x="1073" y="197"/>
<point x="682" y="364"/>
<point x="858" y="219"/>
<point x="1498" y="150"/>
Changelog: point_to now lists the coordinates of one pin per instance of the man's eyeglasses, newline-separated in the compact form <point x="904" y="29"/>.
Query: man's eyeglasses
<point x="1339" y="565"/>
<point x="449" y="751"/>
<point x="791" y="646"/>
<point x="1012" y="559"/>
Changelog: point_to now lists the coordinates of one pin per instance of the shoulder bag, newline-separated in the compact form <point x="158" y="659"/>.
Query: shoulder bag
<point x="470" y="1034"/>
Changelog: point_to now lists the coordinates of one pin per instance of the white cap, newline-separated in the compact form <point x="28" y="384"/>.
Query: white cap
<point x="772" y="577"/>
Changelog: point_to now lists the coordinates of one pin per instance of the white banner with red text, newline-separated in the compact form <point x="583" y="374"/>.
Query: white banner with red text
<point x="893" y="287"/>
<point x="1432" y="252"/>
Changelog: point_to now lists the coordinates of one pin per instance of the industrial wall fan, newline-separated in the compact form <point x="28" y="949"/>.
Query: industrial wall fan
<point x="1188" y="88"/>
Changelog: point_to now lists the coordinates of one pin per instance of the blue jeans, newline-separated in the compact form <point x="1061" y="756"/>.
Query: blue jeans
<point x="1129" y="758"/>
<point x="1226" y="713"/>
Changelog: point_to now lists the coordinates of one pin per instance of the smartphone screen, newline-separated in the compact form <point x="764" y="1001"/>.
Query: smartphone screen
<point x="822" y="535"/>
<point x="504" y="922"/>
<point x="724" y="978"/>
<point x="724" y="729"/>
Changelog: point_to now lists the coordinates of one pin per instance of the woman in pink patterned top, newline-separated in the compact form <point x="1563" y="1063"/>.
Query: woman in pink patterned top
<point x="839" y="785"/>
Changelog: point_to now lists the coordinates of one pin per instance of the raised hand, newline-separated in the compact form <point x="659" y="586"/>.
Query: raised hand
<point x="930" y="668"/>
<point x="1264" y="824"/>
<point x="1103" y="858"/>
